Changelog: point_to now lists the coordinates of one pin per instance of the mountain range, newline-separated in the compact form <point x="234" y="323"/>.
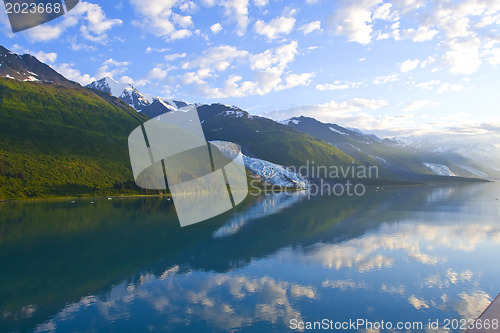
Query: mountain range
<point x="396" y="159"/>
<point x="58" y="138"/>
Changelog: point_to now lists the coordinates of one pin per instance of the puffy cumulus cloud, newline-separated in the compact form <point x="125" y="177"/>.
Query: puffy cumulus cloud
<point x="424" y="34"/>
<point x="157" y="74"/>
<point x="237" y="11"/>
<point x="111" y="68"/>
<point x="71" y="73"/>
<point x="279" y="57"/>
<point x="216" y="28"/>
<point x="294" y="80"/>
<point x="310" y="27"/>
<point x="215" y="59"/>
<point x="46" y="57"/>
<point x="269" y="71"/>
<point x="158" y="17"/>
<point x="417" y="105"/>
<point x="277" y="27"/>
<point x="355" y="19"/>
<point x="463" y="57"/>
<point x="408" y="65"/>
<point x="467" y="27"/>
<point x="94" y="27"/>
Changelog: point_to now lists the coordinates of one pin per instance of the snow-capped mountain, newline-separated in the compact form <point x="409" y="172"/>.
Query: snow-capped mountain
<point x="28" y="68"/>
<point x="151" y="105"/>
<point x="329" y="132"/>
<point x="399" y="156"/>
<point x="125" y="92"/>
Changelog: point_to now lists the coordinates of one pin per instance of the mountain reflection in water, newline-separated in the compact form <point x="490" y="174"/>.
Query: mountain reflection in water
<point x="401" y="254"/>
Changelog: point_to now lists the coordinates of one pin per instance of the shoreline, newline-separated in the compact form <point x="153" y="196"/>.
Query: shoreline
<point x="265" y="190"/>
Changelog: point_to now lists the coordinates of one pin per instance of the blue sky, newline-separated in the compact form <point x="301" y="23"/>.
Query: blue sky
<point x="395" y="68"/>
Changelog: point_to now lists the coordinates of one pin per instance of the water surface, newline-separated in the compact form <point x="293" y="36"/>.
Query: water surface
<point x="399" y="254"/>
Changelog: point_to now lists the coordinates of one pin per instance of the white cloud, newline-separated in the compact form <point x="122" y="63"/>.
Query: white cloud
<point x="158" y="18"/>
<point x="354" y="19"/>
<point x="216" y="59"/>
<point x="174" y="56"/>
<point x="310" y="27"/>
<point x="260" y="3"/>
<point x="428" y="61"/>
<point x="150" y="49"/>
<point x="463" y="56"/>
<point x="96" y="18"/>
<point x="46" y="32"/>
<point x="408" y="65"/>
<point x="386" y="79"/>
<point x="44" y="57"/>
<point x="424" y="34"/>
<point x="71" y="73"/>
<point x="384" y="13"/>
<point x="294" y="80"/>
<point x="237" y="11"/>
<point x="280" y="57"/>
<point x="348" y="112"/>
<point x="338" y="85"/>
<point x="269" y="71"/>
<point x="277" y="27"/>
<point x="417" y="105"/>
<point x="112" y="68"/>
<point x="156" y="74"/>
<point x="216" y="28"/>
<point x="94" y="27"/>
<point x="428" y="85"/>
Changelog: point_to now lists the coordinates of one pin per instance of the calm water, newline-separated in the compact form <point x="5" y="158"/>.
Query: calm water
<point x="402" y="254"/>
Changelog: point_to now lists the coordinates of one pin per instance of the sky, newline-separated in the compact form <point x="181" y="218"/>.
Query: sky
<point x="405" y="68"/>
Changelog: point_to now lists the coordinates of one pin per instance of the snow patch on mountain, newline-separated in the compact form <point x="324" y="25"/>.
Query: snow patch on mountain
<point x="337" y="131"/>
<point x="271" y="173"/>
<point x="440" y="169"/>
<point x="288" y="121"/>
<point x="234" y="113"/>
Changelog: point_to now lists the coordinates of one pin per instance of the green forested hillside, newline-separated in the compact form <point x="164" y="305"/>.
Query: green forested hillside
<point x="57" y="141"/>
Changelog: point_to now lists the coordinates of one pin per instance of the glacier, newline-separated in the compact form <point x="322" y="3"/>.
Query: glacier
<point x="271" y="173"/>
